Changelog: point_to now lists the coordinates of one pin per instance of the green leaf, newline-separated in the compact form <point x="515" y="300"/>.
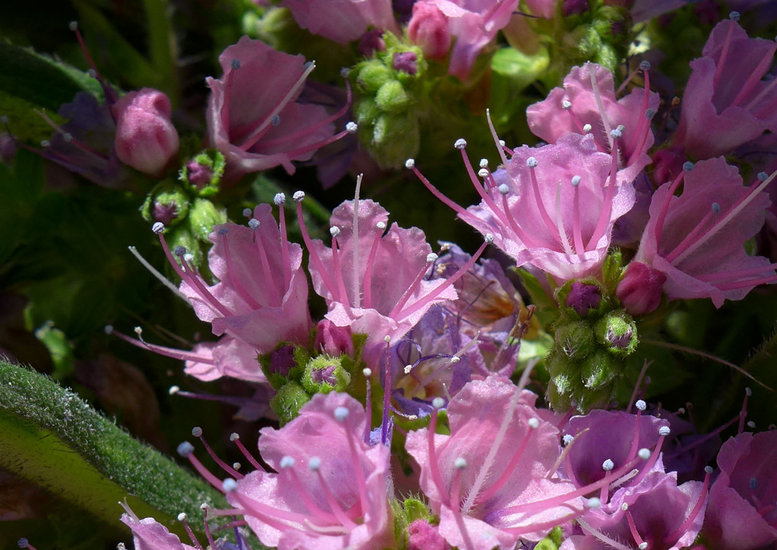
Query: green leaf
<point x="55" y="439"/>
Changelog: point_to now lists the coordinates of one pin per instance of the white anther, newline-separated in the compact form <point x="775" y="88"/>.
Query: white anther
<point x="533" y="423"/>
<point x="287" y="462"/>
<point x="576" y="180"/>
<point x="381" y="225"/>
<point x="108" y="329"/>
<point x="188" y="257"/>
<point x="351" y="127"/>
<point x="461" y="143"/>
<point x="489" y="238"/>
<point x="173" y="390"/>
<point x="431" y="258"/>
<point x="253" y="223"/>
<point x="138" y="330"/>
<point x="408" y="368"/>
<point x="279" y="198"/>
<point x="644" y="453"/>
<point x="748" y="391"/>
<point x="438" y="402"/>
<point x="734" y="15"/>
<point x="460" y="463"/>
<point x="751" y="424"/>
<point x="387" y="339"/>
<point x="608" y="465"/>
<point x="367" y="372"/>
<point x="483" y="163"/>
<point x="410" y="163"/>
<point x="504" y="188"/>
<point x="73" y="26"/>
<point x="341" y="413"/>
<point x="228" y="485"/>
<point x="644" y="65"/>
<point x="197" y="431"/>
<point x="236" y="465"/>
<point x="567" y="439"/>
<point x="298" y="196"/>
<point x="664" y="431"/>
<point x="334" y="231"/>
<point x="586" y="128"/>
<point x="708" y="469"/>
<point x="204" y="506"/>
<point x="531" y="162"/>
<point x="483" y="173"/>
<point x="502" y="142"/>
<point x="158" y="227"/>
<point x="566" y="104"/>
<point x="593" y="502"/>
<point x="643" y="545"/>
<point x="234" y="436"/>
<point x="640" y="404"/>
<point x="455" y="359"/>
<point x="314" y="463"/>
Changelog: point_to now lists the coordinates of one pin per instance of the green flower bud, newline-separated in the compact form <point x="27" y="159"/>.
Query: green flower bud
<point x="203" y="216"/>
<point x="598" y="370"/>
<point x="395" y="138"/>
<point x="324" y="374"/>
<point x="617" y="331"/>
<point x="392" y="97"/>
<point x="372" y="75"/>
<point x="203" y="172"/>
<point x="366" y="111"/>
<point x="182" y="241"/>
<point x="167" y="203"/>
<point x="288" y="401"/>
<point x="574" y="341"/>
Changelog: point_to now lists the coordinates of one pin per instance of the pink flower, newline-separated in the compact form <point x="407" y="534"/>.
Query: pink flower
<point x="640" y="288"/>
<point x="260" y="127"/>
<point x="492" y="479"/>
<point x="474" y="23"/>
<point x="342" y="20"/>
<point x="331" y="488"/>
<point x="145" y="139"/>
<point x="742" y="512"/>
<point x="149" y="534"/>
<point x="261" y="296"/>
<point x="554" y="207"/>
<point x="725" y="103"/>
<point x="587" y="102"/>
<point x="375" y="283"/>
<point x="428" y="28"/>
<point x="226" y="357"/>
<point x="697" y="239"/>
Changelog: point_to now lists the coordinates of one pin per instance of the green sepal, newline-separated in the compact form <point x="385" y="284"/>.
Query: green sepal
<point x="166" y="193"/>
<point x="203" y="216"/>
<point x="215" y="161"/>
<point x="552" y="541"/>
<point x="617" y="332"/>
<point x="574" y="341"/>
<point x="341" y="375"/>
<point x="287" y="403"/>
<point x="612" y="270"/>
<point x="598" y="370"/>
<point x="392" y="98"/>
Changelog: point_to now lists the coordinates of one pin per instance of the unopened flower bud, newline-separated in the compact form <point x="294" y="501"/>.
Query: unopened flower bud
<point x="333" y="340"/>
<point x="203" y="216"/>
<point x="598" y="370"/>
<point x="166" y="203"/>
<point x="145" y="139"/>
<point x="617" y="331"/>
<point x="407" y="62"/>
<point x="288" y="401"/>
<point x="640" y="288"/>
<point x="373" y="75"/>
<point x="428" y="28"/>
<point x="583" y="297"/>
<point x="324" y="374"/>
<point x="392" y="97"/>
<point x="574" y="340"/>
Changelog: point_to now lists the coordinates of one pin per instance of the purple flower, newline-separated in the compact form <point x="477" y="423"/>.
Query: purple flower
<point x="742" y="512"/>
<point x="260" y="127"/>
<point x="697" y="239"/>
<point x="554" y="207"/>
<point x="331" y="488"/>
<point x="261" y="297"/>
<point x="587" y="103"/>
<point x="725" y="103"/>
<point x="492" y="479"/>
<point x="342" y="20"/>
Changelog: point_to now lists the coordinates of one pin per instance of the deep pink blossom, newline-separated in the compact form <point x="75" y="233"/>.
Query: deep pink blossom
<point x="492" y="479"/>
<point x="697" y="238"/>
<point x="428" y="28"/>
<point x="553" y="207"/>
<point x="342" y="20"/>
<point x="331" y="488"/>
<point x="375" y="283"/>
<point x="640" y="289"/>
<point x="261" y="294"/>
<point x="473" y="23"/>
<point x="260" y="127"/>
<point x="145" y="139"/>
<point x="742" y="512"/>
<point x="587" y="102"/>
<point x="725" y="103"/>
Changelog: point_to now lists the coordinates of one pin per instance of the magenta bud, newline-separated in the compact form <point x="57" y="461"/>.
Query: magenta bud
<point x="406" y="62"/>
<point x="428" y="28"/>
<point x="583" y="297"/>
<point x="200" y="175"/>
<point x="424" y="536"/>
<point x="640" y="288"/>
<point x="146" y="140"/>
<point x="333" y="340"/>
<point x="371" y="42"/>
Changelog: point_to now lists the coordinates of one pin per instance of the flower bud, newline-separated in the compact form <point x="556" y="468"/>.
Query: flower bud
<point x="583" y="297"/>
<point x="373" y="75"/>
<point x="428" y="28"/>
<point x="333" y="340"/>
<point x="324" y="374"/>
<point x="203" y="216"/>
<point x="407" y="62"/>
<point x="145" y="139"/>
<point x="166" y="203"/>
<point x="575" y="340"/>
<point x="617" y="331"/>
<point x="288" y="401"/>
<point x="598" y="370"/>
<point x="392" y="97"/>
<point x="640" y="288"/>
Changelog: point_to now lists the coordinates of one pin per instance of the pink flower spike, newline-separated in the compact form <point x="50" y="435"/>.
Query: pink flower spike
<point x="726" y="103"/>
<point x="697" y="239"/>
<point x="260" y="127"/>
<point x="342" y="20"/>
<point x="331" y="488"/>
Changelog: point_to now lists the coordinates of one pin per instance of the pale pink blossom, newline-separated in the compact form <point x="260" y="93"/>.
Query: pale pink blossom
<point x="342" y="20"/>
